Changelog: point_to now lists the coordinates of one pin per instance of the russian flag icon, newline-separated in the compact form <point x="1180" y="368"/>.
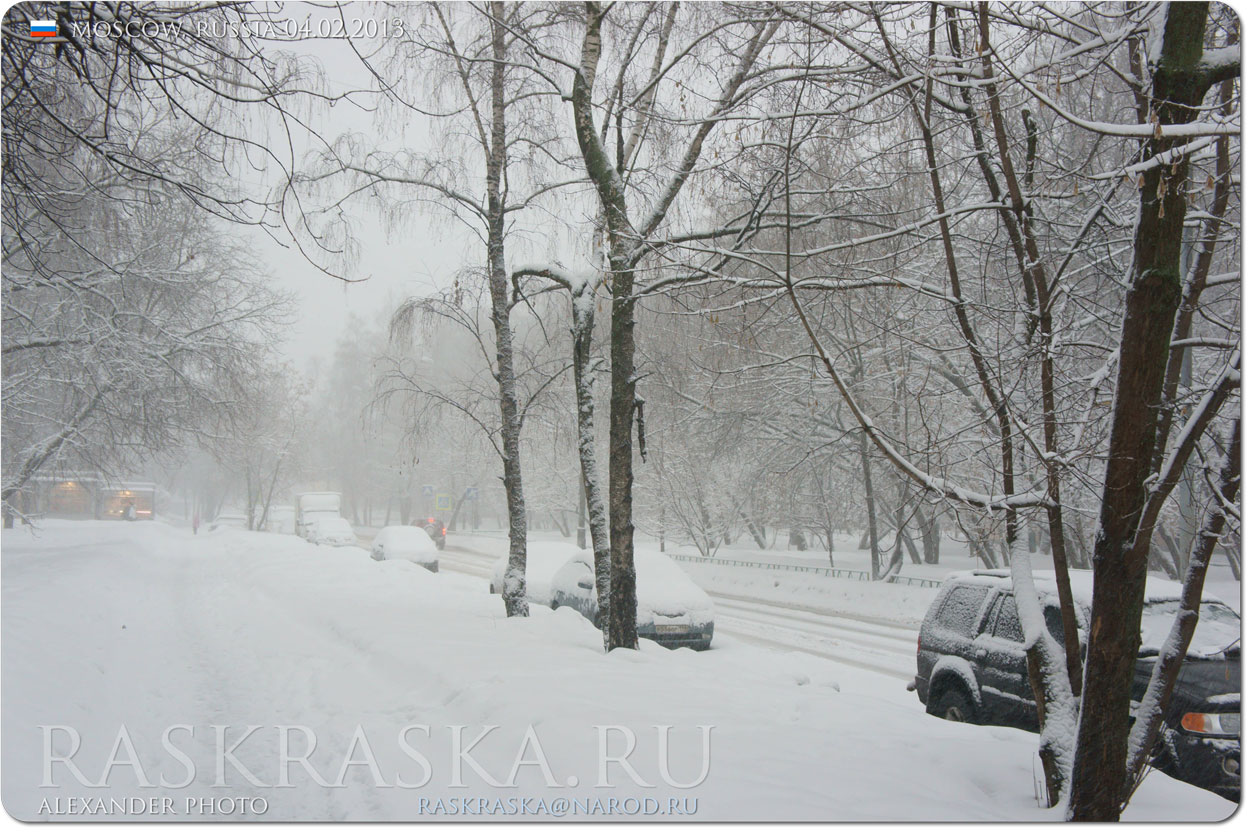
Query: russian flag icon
<point x="43" y="28"/>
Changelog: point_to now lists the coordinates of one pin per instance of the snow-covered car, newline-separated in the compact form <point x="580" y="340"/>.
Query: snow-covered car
<point x="331" y="531"/>
<point x="672" y="609"/>
<point x="311" y="506"/>
<point x="542" y="561"/>
<point x="228" y="520"/>
<point x="281" y="519"/>
<point x="406" y="543"/>
<point x="971" y="667"/>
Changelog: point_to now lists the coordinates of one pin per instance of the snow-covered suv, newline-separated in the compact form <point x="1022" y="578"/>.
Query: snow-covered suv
<point x="971" y="667"/>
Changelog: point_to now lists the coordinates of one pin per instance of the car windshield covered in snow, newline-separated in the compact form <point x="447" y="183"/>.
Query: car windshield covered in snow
<point x="1219" y="628"/>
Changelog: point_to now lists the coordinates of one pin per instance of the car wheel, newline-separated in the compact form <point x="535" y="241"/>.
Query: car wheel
<point x="954" y="705"/>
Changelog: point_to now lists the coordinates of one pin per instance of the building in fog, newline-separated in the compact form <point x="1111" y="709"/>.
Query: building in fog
<point x="87" y="496"/>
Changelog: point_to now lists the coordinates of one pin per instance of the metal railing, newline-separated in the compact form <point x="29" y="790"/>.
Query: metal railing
<point x="828" y="571"/>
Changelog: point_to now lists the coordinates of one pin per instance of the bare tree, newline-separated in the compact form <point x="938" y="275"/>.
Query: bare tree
<point x="127" y="121"/>
<point x="629" y="241"/>
<point x="108" y="365"/>
<point x="479" y="52"/>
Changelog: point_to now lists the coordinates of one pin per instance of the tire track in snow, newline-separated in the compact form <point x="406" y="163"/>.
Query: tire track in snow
<point x="825" y="612"/>
<point x="834" y="656"/>
<point x="847" y="647"/>
<point x="457" y="562"/>
<point x="471" y="554"/>
<point x="889" y="637"/>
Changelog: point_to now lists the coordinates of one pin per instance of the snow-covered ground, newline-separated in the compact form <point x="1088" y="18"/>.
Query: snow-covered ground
<point x="124" y="632"/>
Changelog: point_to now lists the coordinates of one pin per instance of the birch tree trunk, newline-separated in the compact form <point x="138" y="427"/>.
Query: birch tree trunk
<point x="627" y="245"/>
<point x="583" y="383"/>
<point x="623" y="611"/>
<point x="621" y="622"/>
<point x="509" y="410"/>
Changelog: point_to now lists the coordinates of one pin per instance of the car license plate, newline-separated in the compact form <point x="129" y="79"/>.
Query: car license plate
<point x="671" y="628"/>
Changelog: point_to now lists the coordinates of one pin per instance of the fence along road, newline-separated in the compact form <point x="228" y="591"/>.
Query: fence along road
<point x="829" y="571"/>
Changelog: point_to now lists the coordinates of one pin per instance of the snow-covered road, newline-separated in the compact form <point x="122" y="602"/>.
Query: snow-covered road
<point x="203" y="668"/>
<point x="874" y="644"/>
<point x="889" y="649"/>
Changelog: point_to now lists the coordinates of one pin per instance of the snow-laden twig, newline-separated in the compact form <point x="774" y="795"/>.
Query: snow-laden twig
<point x="1173" y="466"/>
<point x="939" y="485"/>
<point x="1193" y="129"/>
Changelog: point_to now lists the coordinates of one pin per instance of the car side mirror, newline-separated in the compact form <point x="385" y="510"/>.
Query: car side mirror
<point x="585" y="583"/>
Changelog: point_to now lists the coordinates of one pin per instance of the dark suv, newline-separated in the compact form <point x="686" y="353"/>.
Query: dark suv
<point x="971" y="667"/>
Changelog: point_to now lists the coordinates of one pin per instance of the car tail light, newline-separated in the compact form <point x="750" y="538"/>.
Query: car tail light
<point x="444" y="531"/>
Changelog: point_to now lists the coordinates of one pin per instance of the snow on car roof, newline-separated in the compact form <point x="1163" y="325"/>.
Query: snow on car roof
<point x="1082" y="580"/>
<point x="1218" y="625"/>
<point x="411" y="538"/>
<point x="542" y="560"/>
<point x="662" y="585"/>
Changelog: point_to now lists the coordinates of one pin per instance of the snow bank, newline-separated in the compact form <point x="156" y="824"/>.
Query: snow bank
<point x="866" y="599"/>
